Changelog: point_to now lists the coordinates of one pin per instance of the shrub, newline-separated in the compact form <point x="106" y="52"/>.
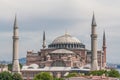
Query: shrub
<point x="43" y="76"/>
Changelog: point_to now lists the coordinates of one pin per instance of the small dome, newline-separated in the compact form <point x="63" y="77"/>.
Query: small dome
<point x="66" y="39"/>
<point x="33" y="66"/>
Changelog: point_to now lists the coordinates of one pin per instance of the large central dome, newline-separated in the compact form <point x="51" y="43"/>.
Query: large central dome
<point x="65" y="39"/>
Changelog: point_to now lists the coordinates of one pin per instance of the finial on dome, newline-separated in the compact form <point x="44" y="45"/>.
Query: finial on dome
<point x="66" y="32"/>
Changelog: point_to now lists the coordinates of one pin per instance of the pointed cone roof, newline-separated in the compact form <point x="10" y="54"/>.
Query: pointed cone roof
<point x="93" y="21"/>
<point x="44" y="43"/>
<point x="44" y="36"/>
<point x="104" y="39"/>
<point x="15" y="22"/>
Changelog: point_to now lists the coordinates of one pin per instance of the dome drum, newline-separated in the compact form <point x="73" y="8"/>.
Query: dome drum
<point x="67" y="45"/>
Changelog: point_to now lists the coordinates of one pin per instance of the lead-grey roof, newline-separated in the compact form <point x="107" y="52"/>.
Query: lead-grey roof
<point x="65" y="51"/>
<point x="66" y="39"/>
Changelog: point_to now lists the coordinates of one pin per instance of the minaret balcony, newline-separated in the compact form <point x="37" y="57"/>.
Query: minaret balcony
<point x="15" y="27"/>
<point x="15" y="37"/>
<point x="94" y="35"/>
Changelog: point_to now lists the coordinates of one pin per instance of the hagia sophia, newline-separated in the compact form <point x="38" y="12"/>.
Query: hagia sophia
<point x="64" y="54"/>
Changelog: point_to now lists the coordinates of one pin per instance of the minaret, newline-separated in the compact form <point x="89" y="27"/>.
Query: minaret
<point x="94" y="64"/>
<point x="44" y="42"/>
<point x="104" y="48"/>
<point x="15" y="62"/>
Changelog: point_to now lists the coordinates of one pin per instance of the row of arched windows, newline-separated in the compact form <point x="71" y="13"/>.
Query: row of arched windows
<point x="60" y="46"/>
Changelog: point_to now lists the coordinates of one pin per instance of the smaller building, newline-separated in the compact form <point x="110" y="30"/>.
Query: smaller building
<point x="3" y="68"/>
<point x="28" y="72"/>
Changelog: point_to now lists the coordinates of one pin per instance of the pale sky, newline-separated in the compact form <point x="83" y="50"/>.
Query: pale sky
<point x="56" y="17"/>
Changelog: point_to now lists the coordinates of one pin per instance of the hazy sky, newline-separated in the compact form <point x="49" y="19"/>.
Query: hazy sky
<point x="55" y="17"/>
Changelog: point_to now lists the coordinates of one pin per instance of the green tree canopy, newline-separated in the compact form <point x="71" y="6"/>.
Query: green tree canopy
<point x="10" y="66"/>
<point x="43" y="76"/>
<point x="9" y="76"/>
<point x="17" y="76"/>
<point x="74" y="74"/>
<point x="110" y="73"/>
<point x="113" y="73"/>
<point x="98" y="72"/>
<point x="5" y="76"/>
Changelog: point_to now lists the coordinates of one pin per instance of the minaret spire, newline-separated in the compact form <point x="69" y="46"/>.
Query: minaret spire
<point x="15" y="62"/>
<point x="44" y="40"/>
<point x="93" y="20"/>
<point x="104" y="39"/>
<point x="94" y="64"/>
<point x="104" y="48"/>
<point x="15" y="21"/>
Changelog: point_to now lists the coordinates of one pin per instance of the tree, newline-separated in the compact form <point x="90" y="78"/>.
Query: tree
<point x="113" y="73"/>
<point x="43" y="76"/>
<point x="98" y="72"/>
<point x="72" y="75"/>
<point x="8" y="76"/>
<point x="10" y="66"/>
<point x="17" y="76"/>
<point x="5" y="76"/>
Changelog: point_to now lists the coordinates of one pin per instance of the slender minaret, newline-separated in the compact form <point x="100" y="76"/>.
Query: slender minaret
<point x="15" y="62"/>
<point x="94" y="64"/>
<point x="104" y="49"/>
<point x="44" y="42"/>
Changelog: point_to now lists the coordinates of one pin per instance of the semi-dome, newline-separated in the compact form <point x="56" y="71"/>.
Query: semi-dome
<point x="62" y="51"/>
<point x="66" y="39"/>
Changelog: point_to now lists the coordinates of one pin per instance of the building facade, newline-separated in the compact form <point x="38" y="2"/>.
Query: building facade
<point x="64" y="54"/>
<point x="64" y="51"/>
